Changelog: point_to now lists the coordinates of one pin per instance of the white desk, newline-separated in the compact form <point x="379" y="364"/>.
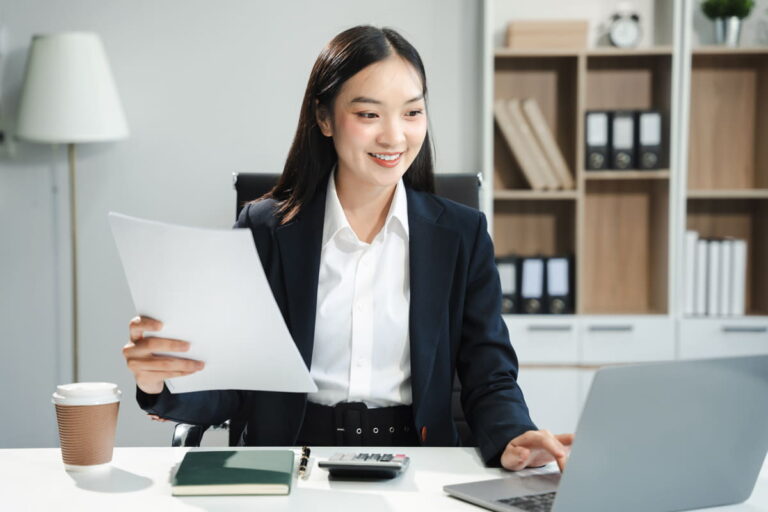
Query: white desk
<point x="34" y="479"/>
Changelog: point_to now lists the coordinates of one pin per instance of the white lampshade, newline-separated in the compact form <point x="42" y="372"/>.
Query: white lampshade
<point x="69" y="95"/>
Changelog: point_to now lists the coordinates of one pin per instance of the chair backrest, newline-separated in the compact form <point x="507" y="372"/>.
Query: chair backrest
<point x="462" y="188"/>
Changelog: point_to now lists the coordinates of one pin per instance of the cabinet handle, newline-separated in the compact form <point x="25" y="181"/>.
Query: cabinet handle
<point x="611" y="328"/>
<point x="743" y="328"/>
<point x="549" y="328"/>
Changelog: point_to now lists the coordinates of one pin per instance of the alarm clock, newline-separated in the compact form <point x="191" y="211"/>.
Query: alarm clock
<point x="624" y="29"/>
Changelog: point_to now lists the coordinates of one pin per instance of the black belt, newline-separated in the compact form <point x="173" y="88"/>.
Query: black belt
<point x="354" y="424"/>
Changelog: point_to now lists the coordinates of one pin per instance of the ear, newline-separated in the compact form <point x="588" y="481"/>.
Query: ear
<point x="323" y="119"/>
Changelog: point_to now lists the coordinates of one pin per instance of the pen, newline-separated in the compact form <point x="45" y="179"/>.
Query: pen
<point x="305" y="451"/>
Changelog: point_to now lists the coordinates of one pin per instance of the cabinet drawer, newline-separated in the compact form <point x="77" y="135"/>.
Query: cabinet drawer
<point x="543" y="339"/>
<point x="721" y="337"/>
<point x="627" y="339"/>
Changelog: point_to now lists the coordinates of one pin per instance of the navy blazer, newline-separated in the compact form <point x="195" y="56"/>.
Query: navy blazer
<point x="455" y="326"/>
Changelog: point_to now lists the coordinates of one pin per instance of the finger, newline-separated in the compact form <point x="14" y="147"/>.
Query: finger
<point x="550" y="443"/>
<point x="139" y="324"/>
<point x="146" y="346"/>
<point x="565" y="439"/>
<point x="553" y="446"/>
<point x="515" y="458"/>
<point x="164" y="364"/>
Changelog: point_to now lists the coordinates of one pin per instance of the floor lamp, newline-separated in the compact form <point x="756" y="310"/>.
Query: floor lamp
<point x="69" y="97"/>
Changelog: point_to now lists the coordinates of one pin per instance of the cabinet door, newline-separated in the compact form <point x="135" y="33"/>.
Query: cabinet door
<point x="721" y="337"/>
<point x="618" y="339"/>
<point x="544" y="339"/>
<point x="552" y="395"/>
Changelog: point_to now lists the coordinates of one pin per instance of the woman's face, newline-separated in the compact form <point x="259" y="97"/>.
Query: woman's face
<point x="379" y="123"/>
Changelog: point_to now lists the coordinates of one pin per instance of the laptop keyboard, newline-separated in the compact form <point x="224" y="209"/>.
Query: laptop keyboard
<point x="532" y="503"/>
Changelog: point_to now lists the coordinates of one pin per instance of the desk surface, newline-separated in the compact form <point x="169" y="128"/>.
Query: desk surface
<point x="34" y="479"/>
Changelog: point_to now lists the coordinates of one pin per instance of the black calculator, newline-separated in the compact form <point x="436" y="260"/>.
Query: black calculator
<point x="365" y="465"/>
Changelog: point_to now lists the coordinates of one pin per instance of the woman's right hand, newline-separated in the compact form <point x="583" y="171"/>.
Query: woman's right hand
<point x="150" y="370"/>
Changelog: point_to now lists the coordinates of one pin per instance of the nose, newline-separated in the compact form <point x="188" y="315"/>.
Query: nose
<point x="392" y="134"/>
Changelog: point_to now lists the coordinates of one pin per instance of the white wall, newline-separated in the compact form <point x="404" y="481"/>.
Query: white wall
<point x="209" y="88"/>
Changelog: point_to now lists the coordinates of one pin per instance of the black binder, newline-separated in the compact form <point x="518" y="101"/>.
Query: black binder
<point x="648" y="139"/>
<point x="597" y="131"/>
<point x="531" y="286"/>
<point x="623" y="140"/>
<point x="508" y="270"/>
<point x="560" y="285"/>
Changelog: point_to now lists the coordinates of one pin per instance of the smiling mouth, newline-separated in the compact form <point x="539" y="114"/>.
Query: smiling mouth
<point x="387" y="157"/>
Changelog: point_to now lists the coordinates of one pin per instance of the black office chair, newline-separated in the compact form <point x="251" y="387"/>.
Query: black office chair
<point x="462" y="188"/>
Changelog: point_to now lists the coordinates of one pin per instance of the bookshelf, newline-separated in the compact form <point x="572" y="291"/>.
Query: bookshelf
<point x="612" y="217"/>
<point x="626" y="229"/>
<point x="727" y="185"/>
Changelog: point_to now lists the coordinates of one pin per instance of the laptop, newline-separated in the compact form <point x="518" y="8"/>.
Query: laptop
<point x="654" y="437"/>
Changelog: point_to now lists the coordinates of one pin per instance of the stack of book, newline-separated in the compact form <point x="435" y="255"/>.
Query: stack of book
<point x="536" y="285"/>
<point x="715" y="275"/>
<point x="532" y="144"/>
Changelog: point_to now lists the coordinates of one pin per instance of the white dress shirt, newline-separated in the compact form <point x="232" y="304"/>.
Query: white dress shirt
<point x="361" y="349"/>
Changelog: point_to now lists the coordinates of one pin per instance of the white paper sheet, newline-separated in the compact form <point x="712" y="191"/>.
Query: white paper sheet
<point x="208" y="287"/>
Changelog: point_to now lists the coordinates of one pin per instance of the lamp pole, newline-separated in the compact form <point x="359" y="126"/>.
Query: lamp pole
<point x="73" y="236"/>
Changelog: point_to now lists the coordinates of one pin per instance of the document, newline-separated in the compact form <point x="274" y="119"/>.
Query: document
<point x="208" y="287"/>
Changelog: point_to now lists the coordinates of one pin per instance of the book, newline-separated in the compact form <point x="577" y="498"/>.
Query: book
<point x="534" y="148"/>
<point x="713" y="278"/>
<point x="219" y="472"/>
<point x="691" y="241"/>
<point x="700" y="287"/>
<point x="739" y="287"/>
<point x="517" y="146"/>
<point x="548" y="144"/>
<point x="726" y="277"/>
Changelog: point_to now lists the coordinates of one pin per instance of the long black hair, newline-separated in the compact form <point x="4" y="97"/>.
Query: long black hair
<point x="312" y="155"/>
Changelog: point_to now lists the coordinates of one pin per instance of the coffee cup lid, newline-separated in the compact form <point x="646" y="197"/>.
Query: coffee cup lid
<point x="86" y="393"/>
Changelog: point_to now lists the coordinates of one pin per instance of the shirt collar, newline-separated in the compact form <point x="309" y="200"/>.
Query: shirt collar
<point x="336" y="221"/>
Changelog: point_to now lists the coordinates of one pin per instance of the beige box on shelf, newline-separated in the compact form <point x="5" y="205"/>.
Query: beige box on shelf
<point x="547" y="34"/>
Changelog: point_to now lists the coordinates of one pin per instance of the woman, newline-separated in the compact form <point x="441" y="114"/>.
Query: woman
<point x="387" y="290"/>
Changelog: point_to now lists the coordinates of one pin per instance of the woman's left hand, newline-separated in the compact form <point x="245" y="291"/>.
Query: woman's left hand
<point x="536" y="448"/>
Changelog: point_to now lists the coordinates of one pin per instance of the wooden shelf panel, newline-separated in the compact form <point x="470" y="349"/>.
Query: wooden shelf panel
<point x="624" y="254"/>
<point x="628" y="52"/>
<point x="724" y="50"/>
<point x="501" y="53"/>
<point x="729" y="194"/>
<point x="661" y="174"/>
<point x="550" y="83"/>
<point x="553" y="195"/>
<point x="606" y="51"/>
<point x="728" y="121"/>
<point x="530" y="228"/>
<point x="631" y="82"/>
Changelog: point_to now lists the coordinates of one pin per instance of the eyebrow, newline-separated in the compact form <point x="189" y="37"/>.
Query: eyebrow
<point x="363" y="99"/>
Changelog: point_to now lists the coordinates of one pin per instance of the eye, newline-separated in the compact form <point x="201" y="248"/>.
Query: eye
<point x="414" y="113"/>
<point x="367" y="115"/>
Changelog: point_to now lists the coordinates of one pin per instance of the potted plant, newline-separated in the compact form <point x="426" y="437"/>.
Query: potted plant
<point x="727" y="15"/>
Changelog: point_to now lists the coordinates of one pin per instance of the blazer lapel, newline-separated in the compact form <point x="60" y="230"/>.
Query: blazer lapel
<point x="433" y="250"/>
<point x="299" y="241"/>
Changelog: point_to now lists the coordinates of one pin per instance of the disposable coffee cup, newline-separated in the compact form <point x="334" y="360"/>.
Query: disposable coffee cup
<point x="87" y="416"/>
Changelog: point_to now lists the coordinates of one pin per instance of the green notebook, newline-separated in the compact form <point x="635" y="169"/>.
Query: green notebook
<point x="234" y="472"/>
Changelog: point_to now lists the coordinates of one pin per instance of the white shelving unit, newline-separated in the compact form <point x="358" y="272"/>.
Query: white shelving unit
<point x="560" y="354"/>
